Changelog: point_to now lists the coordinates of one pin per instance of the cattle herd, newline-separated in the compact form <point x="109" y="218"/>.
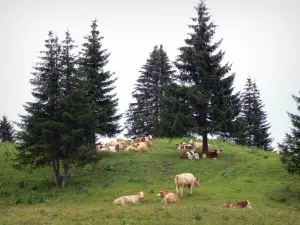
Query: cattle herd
<point x="182" y="180"/>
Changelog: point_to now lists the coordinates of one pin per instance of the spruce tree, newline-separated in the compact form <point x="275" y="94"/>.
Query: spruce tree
<point x="41" y="127"/>
<point x="99" y="84"/>
<point x="209" y="87"/>
<point x="77" y="117"/>
<point x="290" y="147"/>
<point x="255" y="130"/>
<point x="144" y="115"/>
<point x="7" y="133"/>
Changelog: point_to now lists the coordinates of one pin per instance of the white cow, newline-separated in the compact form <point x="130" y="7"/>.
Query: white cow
<point x="185" y="180"/>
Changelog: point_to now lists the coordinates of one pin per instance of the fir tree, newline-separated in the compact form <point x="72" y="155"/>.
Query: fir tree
<point x="7" y="133"/>
<point x="290" y="147"/>
<point x="99" y="84"/>
<point x="210" y="92"/>
<point x="77" y="117"/>
<point x="255" y="130"/>
<point x="41" y="127"/>
<point x="144" y="116"/>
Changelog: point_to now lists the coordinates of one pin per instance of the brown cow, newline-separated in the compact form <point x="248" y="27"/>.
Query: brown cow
<point x="243" y="204"/>
<point x="168" y="197"/>
<point x="185" y="180"/>
<point x="214" y="155"/>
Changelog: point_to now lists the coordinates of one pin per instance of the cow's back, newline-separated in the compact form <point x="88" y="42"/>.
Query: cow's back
<point x="184" y="178"/>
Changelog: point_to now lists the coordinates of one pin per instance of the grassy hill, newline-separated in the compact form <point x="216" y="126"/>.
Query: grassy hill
<point x="240" y="174"/>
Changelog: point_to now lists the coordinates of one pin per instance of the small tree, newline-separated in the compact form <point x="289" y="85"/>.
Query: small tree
<point x="290" y="147"/>
<point x="254" y="126"/>
<point x="7" y="133"/>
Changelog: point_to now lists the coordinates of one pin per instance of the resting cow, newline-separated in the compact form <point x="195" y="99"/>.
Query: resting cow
<point x="138" y="198"/>
<point x="214" y="155"/>
<point x="168" y="197"/>
<point x="185" y="180"/>
<point x="243" y="204"/>
<point x="190" y="155"/>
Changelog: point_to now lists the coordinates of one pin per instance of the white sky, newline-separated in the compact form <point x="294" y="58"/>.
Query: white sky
<point x="260" y="38"/>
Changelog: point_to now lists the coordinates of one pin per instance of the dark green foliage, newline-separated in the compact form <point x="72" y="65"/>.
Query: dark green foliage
<point x="99" y="84"/>
<point x="41" y="125"/>
<point x="290" y="147"/>
<point x="150" y="93"/>
<point x="213" y="106"/>
<point x="7" y="133"/>
<point x="59" y="123"/>
<point x="254" y="126"/>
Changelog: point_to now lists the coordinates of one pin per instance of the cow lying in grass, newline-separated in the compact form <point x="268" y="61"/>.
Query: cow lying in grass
<point x="185" y="180"/>
<point x="168" y="197"/>
<point x="213" y="155"/>
<point x="138" y="198"/>
<point x="243" y="204"/>
<point x="190" y="155"/>
<point x="193" y="154"/>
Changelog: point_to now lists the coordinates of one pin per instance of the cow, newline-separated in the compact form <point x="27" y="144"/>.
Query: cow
<point x="114" y="148"/>
<point x="130" y="148"/>
<point x="137" y="198"/>
<point x="243" y="204"/>
<point x="168" y="197"/>
<point x="214" y="155"/>
<point x="190" y="155"/>
<point x="183" y="145"/>
<point x="185" y="180"/>
<point x="197" y="144"/>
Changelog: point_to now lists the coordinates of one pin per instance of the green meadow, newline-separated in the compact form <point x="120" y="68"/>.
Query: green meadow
<point x="240" y="174"/>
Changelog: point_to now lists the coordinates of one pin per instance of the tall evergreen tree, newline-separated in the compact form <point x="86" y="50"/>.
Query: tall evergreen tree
<point x="41" y="140"/>
<point x="58" y="123"/>
<point x="290" y="147"/>
<point x="7" y="132"/>
<point x="144" y="116"/>
<point x="77" y="118"/>
<point x="209" y="90"/>
<point x="255" y="131"/>
<point x="99" y="84"/>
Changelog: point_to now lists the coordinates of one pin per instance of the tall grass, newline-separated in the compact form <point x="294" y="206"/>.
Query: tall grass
<point x="240" y="174"/>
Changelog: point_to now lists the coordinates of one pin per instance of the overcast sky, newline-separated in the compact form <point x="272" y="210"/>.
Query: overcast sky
<point x="260" y="38"/>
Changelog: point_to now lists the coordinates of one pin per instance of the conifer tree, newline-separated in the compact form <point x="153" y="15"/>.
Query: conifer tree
<point x="144" y="115"/>
<point x="210" y="92"/>
<point x="77" y="118"/>
<point x="7" y="133"/>
<point x="41" y="127"/>
<point x="99" y="84"/>
<point x="255" y="130"/>
<point x="290" y="147"/>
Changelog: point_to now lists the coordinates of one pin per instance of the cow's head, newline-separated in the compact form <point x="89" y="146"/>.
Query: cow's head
<point x="162" y="193"/>
<point x="141" y="194"/>
<point x="191" y="141"/>
<point x="248" y="205"/>
<point x="218" y="151"/>
<point x="196" y="182"/>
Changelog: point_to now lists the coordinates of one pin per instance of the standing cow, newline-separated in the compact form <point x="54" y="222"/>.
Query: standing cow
<point x="185" y="180"/>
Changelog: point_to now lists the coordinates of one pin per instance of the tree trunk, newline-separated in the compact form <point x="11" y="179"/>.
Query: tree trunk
<point x="204" y="143"/>
<point x="56" y="172"/>
<point x="65" y="179"/>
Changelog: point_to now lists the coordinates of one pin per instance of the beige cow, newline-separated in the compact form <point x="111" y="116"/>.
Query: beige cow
<point x="128" y="199"/>
<point x="185" y="180"/>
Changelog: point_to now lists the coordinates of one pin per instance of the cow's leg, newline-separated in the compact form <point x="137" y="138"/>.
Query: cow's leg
<point x="181" y="192"/>
<point x="190" y="189"/>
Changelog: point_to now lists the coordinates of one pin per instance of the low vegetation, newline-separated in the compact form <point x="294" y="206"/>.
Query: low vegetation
<point x="240" y="174"/>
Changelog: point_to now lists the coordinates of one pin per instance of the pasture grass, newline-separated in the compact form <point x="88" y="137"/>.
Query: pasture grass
<point x="240" y="174"/>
